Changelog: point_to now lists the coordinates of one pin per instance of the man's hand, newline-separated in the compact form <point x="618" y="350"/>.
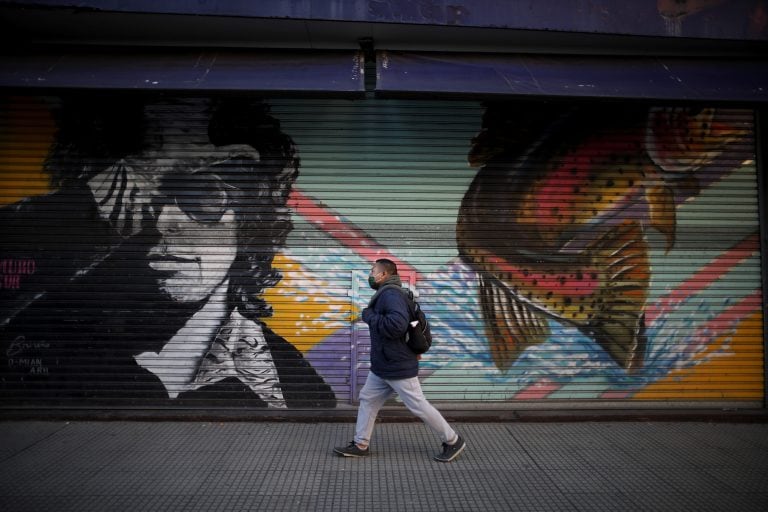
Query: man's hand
<point x="356" y="318"/>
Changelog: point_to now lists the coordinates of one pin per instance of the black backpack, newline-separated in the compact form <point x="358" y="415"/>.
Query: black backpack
<point x="419" y="335"/>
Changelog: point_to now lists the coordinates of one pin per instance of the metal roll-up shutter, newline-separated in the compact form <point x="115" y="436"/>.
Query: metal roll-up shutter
<point x="189" y="252"/>
<point x="567" y="254"/>
<point x="379" y="179"/>
<point x="138" y="242"/>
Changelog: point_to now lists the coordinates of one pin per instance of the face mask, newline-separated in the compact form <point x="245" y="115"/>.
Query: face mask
<point x="372" y="282"/>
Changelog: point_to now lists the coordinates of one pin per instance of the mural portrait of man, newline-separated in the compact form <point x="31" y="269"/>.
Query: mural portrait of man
<point x="151" y="258"/>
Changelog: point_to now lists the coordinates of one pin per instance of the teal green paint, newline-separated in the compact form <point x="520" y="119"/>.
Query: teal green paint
<point x="357" y="155"/>
<point x="703" y="236"/>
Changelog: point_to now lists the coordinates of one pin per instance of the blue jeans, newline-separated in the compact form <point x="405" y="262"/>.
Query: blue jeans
<point x="377" y="391"/>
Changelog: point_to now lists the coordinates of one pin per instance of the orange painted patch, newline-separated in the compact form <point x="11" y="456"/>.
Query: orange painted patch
<point x="735" y="376"/>
<point x="26" y="134"/>
<point x="304" y="312"/>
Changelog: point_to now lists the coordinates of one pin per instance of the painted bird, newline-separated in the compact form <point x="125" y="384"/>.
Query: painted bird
<point x="554" y="222"/>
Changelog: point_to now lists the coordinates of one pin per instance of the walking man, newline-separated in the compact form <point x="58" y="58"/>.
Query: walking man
<point x="394" y="367"/>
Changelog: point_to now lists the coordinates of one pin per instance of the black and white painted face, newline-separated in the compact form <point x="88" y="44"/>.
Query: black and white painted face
<point x="194" y="214"/>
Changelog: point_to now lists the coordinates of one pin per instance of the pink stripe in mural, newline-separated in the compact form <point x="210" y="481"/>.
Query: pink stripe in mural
<point x="537" y="391"/>
<point x="705" y="276"/>
<point x="712" y="329"/>
<point x="357" y="240"/>
<point x="343" y="231"/>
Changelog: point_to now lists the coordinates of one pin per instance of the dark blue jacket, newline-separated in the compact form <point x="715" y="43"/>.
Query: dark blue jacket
<point x="387" y="320"/>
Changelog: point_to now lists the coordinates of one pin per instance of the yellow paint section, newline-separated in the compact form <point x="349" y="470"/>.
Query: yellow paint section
<point x="735" y="376"/>
<point x="26" y="134"/>
<point x="305" y="312"/>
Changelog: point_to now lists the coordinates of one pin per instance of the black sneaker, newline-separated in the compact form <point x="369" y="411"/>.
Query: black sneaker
<point x="352" y="451"/>
<point x="451" y="451"/>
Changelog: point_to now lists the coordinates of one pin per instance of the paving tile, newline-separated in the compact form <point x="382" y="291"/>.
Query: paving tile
<point x="168" y="466"/>
<point x="691" y="480"/>
<point x="636" y="480"/>
<point x="742" y="479"/>
<point x="573" y="481"/>
<point x="544" y="458"/>
<point x="602" y="501"/>
<point x="606" y="458"/>
<point x="697" y="502"/>
<point x="666" y="457"/>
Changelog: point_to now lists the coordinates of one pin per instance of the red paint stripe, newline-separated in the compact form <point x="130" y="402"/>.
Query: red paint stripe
<point x="537" y="391"/>
<point x="724" y="321"/>
<point x="564" y="188"/>
<point x="705" y="276"/>
<point x="344" y="231"/>
<point x="562" y="284"/>
<point x="360" y="242"/>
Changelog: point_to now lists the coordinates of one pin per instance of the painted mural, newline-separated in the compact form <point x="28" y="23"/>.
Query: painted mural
<point x="552" y="234"/>
<point x="176" y="251"/>
<point x="556" y="225"/>
<point x="143" y="271"/>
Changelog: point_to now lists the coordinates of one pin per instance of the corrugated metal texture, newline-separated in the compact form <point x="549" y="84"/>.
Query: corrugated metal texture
<point x="379" y="179"/>
<point x="138" y="280"/>
<point x="566" y="253"/>
<point x="675" y="186"/>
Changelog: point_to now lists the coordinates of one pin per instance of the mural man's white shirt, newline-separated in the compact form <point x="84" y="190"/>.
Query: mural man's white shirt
<point x="178" y="361"/>
<point x="240" y="350"/>
<point x="209" y="349"/>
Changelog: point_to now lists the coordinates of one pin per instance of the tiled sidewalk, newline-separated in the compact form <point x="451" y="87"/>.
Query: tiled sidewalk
<point x="271" y="466"/>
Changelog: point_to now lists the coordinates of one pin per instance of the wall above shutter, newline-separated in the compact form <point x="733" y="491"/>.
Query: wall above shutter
<point x="186" y="69"/>
<point x="666" y="78"/>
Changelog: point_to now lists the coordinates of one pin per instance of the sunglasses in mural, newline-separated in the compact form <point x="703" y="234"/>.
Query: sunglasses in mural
<point x="130" y="192"/>
<point x="201" y="194"/>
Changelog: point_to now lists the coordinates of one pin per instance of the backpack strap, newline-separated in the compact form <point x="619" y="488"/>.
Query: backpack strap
<point x="408" y="294"/>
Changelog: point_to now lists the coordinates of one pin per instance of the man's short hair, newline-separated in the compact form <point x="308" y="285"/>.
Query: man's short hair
<point x="388" y="266"/>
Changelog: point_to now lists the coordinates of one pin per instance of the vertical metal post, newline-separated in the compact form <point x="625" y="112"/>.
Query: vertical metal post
<point x="762" y="195"/>
<point x="355" y="344"/>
